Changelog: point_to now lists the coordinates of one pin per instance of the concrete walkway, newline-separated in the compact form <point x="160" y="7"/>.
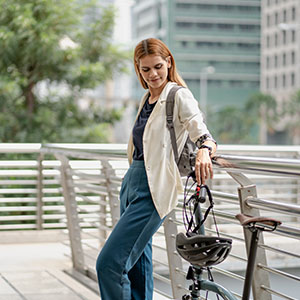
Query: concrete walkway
<point x="32" y="267"/>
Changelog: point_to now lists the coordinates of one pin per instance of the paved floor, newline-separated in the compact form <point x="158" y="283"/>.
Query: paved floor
<point x="35" y="271"/>
<point x="32" y="267"/>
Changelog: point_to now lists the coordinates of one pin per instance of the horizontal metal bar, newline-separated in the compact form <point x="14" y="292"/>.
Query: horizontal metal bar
<point x="17" y="226"/>
<point x="288" y="231"/>
<point x="20" y="147"/>
<point x="158" y="247"/>
<point x="223" y="234"/>
<point x="225" y="196"/>
<point x="278" y="272"/>
<point x="91" y="188"/>
<point x="162" y="293"/>
<point x="290" y="209"/>
<point x="277" y="250"/>
<point x="271" y="291"/>
<point x="91" y="199"/>
<point x="274" y="166"/>
<point x="18" y="218"/>
<point x="160" y="262"/>
<point x="228" y="273"/>
<point x="161" y="278"/>
<point x="18" y="200"/>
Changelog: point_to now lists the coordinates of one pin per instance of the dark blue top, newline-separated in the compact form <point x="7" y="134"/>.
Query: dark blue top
<point x="138" y="130"/>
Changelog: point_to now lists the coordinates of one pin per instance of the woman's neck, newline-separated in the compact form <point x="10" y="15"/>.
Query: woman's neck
<point x="155" y="93"/>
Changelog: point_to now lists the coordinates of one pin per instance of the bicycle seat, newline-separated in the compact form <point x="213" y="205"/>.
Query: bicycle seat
<point x="246" y="220"/>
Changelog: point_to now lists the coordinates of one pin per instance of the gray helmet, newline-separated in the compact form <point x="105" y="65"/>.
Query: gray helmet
<point x="201" y="250"/>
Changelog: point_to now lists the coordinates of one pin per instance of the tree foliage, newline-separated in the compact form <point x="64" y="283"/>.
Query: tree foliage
<point x="66" y="44"/>
<point x="233" y="125"/>
<point x="291" y="113"/>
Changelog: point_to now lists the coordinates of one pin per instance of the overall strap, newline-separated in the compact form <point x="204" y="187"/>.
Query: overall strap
<point x="169" y="116"/>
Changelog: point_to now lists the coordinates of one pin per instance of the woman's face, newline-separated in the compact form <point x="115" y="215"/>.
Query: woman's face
<point x="154" y="70"/>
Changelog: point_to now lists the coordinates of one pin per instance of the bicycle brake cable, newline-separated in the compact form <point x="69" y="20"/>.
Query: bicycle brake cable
<point x="187" y="203"/>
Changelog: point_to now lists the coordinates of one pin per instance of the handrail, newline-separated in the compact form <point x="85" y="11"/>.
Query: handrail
<point x="265" y="165"/>
<point x="89" y="175"/>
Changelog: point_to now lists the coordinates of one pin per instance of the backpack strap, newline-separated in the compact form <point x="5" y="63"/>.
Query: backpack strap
<point x="169" y="116"/>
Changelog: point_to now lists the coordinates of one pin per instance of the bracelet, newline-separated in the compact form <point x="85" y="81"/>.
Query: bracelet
<point x="204" y="138"/>
<point x="206" y="147"/>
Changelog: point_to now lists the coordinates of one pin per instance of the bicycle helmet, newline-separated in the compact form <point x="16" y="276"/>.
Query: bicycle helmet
<point x="201" y="250"/>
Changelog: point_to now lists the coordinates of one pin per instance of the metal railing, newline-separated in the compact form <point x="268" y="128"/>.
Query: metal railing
<point x="77" y="186"/>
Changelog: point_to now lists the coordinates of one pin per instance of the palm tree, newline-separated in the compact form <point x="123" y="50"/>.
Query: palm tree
<point x="262" y="108"/>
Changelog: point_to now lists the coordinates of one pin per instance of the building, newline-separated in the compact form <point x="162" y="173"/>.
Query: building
<point x="280" y="54"/>
<point x="224" y="35"/>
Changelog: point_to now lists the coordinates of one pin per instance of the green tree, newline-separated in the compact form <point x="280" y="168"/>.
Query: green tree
<point x="291" y="113"/>
<point x="262" y="110"/>
<point x="55" y="44"/>
<point x="248" y="124"/>
<point x="230" y="125"/>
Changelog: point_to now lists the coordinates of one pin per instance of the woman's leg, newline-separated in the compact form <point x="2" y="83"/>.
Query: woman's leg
<point x="141" y="275"/>
<point x="126" y="244"/>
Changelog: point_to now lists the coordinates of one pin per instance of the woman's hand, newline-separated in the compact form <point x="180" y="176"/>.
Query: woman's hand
<point x="203" y="166"/>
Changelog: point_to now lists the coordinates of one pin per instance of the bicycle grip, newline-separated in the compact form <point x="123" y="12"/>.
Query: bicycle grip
<point x="202" y="194"/>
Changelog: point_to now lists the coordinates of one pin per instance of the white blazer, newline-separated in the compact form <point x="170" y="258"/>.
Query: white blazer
<point x="163" y="176"/>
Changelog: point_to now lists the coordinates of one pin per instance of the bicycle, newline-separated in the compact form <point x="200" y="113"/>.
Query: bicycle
<point x="203" y="252"/>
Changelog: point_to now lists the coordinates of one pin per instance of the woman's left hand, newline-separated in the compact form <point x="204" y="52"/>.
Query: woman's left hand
<point x="203" y="166"/>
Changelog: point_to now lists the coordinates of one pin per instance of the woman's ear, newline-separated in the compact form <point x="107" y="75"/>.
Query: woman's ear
<point x="168" y="60"/>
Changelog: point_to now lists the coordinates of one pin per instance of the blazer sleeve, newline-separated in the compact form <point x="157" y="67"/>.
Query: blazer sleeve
<point x="189" y="114"/>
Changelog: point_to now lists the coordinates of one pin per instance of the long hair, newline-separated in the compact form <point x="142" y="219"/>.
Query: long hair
<point x="154" y="46"/>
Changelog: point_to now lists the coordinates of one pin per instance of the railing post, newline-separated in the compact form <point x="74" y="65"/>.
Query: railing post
<point x="102" y="221"/>
<point x="175" y="263"/>
<point x="39" y="203"/>
<point x="114" y="202"/>
<point x="72" y="214"/>
<point x="260" y="276"/>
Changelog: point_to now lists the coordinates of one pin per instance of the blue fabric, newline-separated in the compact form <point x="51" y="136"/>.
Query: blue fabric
<point x="124" y="266"/>
<point x="138" y="130"/>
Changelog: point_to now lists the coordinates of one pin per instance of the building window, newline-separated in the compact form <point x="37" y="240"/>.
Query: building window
<point x="226" y="26"/>
<point x="276" y="18"/>
<point x="276" y="39"/>
<point x="248" y="27"/>
<point x="283" y="59"/>
<point x="284" y="16"/>
<point x="275" y="61"/>
<point x="283" y="80"/>
<point x="205" y="25"/>
<point x="293" y="13"/>
<point x="184" y="44"/>
<point x="268" y="83"/>
<point x="268" y="41"/>
<point x="293" y="79"/>
<point x="275" y="82"/>
<point x="284" y="37"/>
<point x="293" y="36"/>
<point x="293" y="57"/>
<point x="268" y="21"/>
<point x="268" y="62"/>
<point x="184" y="24"/>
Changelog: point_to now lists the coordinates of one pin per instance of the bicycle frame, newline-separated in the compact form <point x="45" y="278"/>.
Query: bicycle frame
<point x="200" y="284"/>
<point x="195" y="272"/>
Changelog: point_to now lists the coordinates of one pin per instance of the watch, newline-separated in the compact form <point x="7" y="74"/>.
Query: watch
<point x="207" y="147"/>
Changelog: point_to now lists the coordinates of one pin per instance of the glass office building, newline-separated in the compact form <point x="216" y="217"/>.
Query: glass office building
<point x="221" y="34"/>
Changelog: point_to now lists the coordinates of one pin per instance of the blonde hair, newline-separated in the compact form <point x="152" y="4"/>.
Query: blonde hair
<point x="154" y="46"/>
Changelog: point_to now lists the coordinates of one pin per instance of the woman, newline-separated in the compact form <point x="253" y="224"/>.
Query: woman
<point x="151" y="185"/>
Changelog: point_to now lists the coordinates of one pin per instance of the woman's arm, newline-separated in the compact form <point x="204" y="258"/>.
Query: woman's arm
<point x="191" y="118"/>
<point x="203" y="165"/>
